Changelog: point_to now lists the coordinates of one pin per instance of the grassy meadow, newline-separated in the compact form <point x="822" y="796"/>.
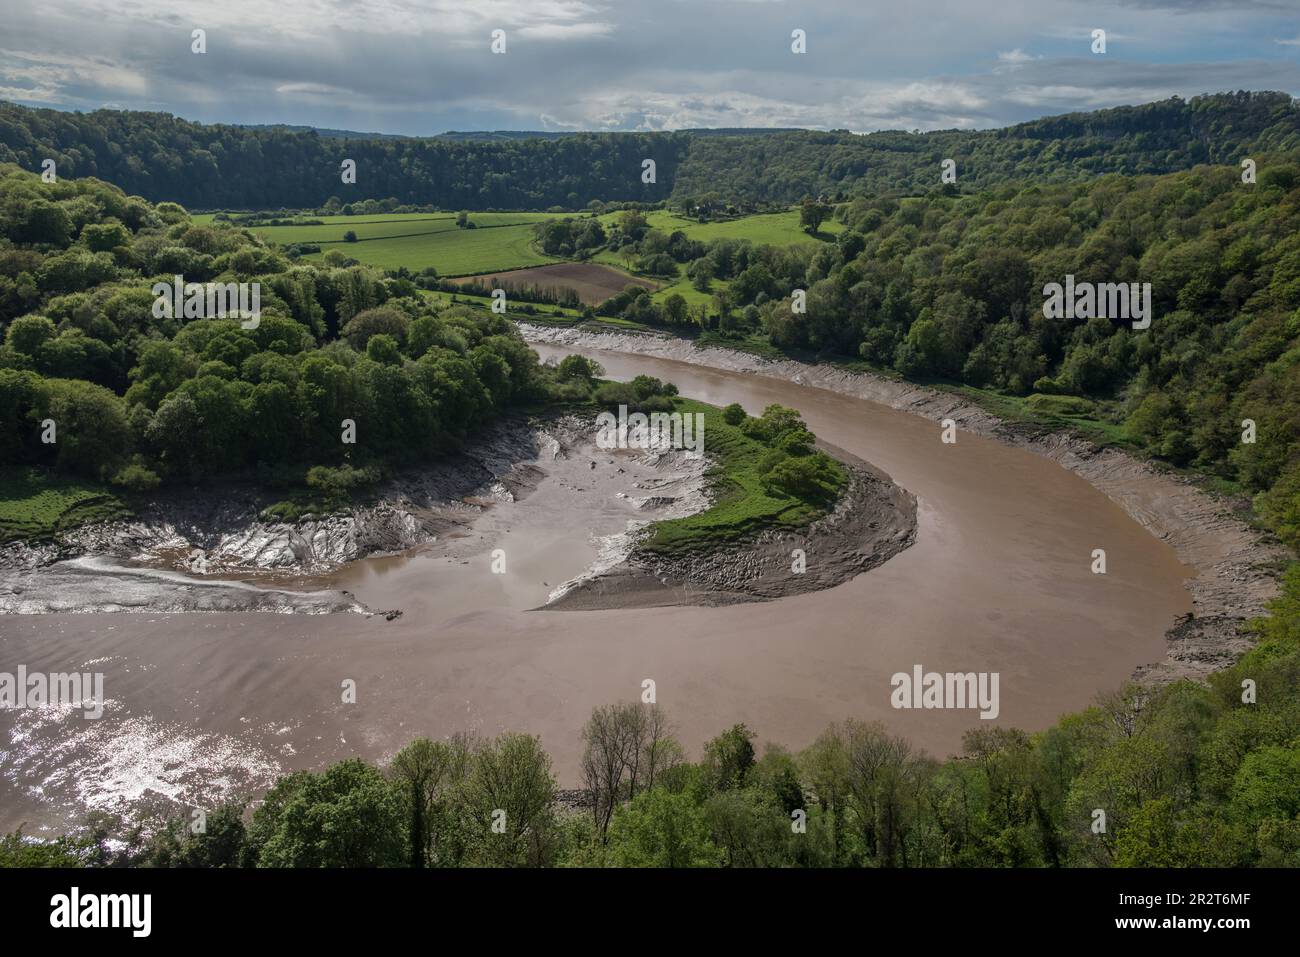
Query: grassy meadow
<point x="416" y="240"/>
<point x="742" y="505"/>
<point x="505" y="240"/>
<point x="762" y="229"/>
<point x="35" y="506"/>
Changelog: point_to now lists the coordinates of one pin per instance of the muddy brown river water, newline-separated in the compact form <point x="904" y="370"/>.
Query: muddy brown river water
<point x="999" y="580"/>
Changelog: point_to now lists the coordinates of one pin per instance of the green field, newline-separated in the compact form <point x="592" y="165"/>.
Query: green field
<point x="416" y="240"/>
<point x="764" y="229"/>
<point x="392" y="226"/>
<point x="741" y="505"/>
<point x="453" y="252"/>
<point x="682" y="287"/>
<point x="503" y="241"/>
<point x="36" y="506"/>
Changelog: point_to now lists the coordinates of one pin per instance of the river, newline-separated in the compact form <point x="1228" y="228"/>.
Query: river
<point x="1000" y="580"/>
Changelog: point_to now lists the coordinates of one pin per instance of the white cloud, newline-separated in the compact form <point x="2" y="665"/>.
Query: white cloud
<point x="1016" y="56"/>
<point x="567" y="31"/>
<point x="423" y="66"/>
<point x="47" y="74"/>
<point x="1013" y="60"/>
<point x="312" y="89"/>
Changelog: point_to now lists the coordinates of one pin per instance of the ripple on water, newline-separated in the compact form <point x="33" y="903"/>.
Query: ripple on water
<point x="119" y="760"/>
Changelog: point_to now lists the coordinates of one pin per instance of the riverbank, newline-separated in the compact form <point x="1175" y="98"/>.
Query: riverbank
<point x="210" y="548"/>
<point x="1233" y="563"/>
<point x="214" y="549"/>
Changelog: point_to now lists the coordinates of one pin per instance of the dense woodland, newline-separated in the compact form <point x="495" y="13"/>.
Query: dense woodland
<point x="1159" y="137"/>
<point x="139" y="399"/>
<point x="1188" y="776"/>
<point x="946" y="287"/>
<point x="161" y="157"/>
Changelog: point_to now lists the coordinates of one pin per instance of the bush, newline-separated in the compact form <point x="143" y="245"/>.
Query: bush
<point x="370" y="322"/>
<point x="1060" y="404"/>
<point x="341" y="481"/>
<point x="809" y="478"/>
<point x="137" y="478"/>
<point x="733" y="414"/>
<point x="578" y="367"/>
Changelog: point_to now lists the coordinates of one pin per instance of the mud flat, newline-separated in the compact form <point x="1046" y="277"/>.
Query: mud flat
<point x="1233" y="564"/>
<point x="209" y="549"/>
<point x="97" y="584"/>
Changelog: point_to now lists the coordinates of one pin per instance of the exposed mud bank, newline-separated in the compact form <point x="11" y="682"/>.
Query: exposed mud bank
<point x="209" y="549"/>
<point x="1234" y="564"/>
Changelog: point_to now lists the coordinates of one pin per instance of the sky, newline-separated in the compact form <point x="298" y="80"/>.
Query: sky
<point x="420" y="67"/>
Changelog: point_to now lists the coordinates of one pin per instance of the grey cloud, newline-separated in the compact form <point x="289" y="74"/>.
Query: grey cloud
<point x="422" y="67"/>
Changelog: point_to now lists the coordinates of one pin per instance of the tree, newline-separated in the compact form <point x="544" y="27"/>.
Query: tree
<point x="383" y="348"/>
<point x="348" y="815"/>
<point x="579" y="367"/>
<point x="509" y="797"/>
<point x="27" y="334"/>
<point x="18" y="851"/>
<point x="660" y="828"/>
<point x="748" y="827"/>
<point x="106" y="236"/>
<point x="812" y="213"/>
<point x="614" y="740"/>
<point x="660" y="751"/>
<point x="729" y="757"/>
<point x="92" y="433"/>
<point x="371" y="322"/>
<point x="220" y="844"/>
<point x="429" y="774"/>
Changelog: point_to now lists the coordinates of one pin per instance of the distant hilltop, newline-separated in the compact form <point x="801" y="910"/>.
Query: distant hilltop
<point x="497" y="136"/>
<point x="162" y="157"/>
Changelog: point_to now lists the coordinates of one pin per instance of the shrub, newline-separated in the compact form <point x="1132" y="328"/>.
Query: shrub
<point x="137" y="478"/>
<point x="1060" y="404"/>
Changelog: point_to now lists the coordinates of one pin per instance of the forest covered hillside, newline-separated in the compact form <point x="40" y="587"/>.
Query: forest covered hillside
<point x="162" y="157"/>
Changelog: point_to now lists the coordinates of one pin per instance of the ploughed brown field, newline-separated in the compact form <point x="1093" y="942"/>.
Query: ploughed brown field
<point x="592" y="282"/>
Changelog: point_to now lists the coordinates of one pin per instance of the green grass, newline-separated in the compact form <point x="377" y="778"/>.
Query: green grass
<point x="544" y="310"/>
<point x="506" y="241"/>
<point x="742" y="506"/>
<point x="35" y="505"/>
<point x="393" y="226"/>
<point x="546" y="315"/>
<point x="763" y="229"/>
<point x="416" y="240"/>
<point x="453" y="252"/>
<point x="682" y="287"/>
<point x="380" y="229"/>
